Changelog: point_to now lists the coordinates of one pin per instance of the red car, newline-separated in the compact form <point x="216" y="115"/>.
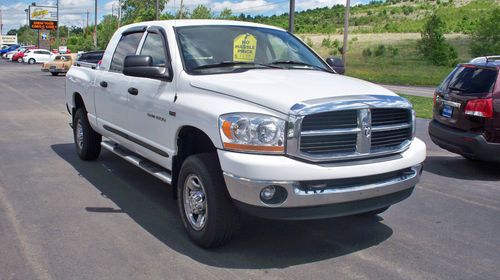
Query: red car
<point x="19" y="55"/>
<point x="466" y="117"/>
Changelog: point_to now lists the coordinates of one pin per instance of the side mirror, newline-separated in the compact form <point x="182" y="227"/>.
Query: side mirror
<point x="142" y="66"/>
<point x="337" y="64"/>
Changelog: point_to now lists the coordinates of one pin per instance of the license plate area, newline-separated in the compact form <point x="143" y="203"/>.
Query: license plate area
<point x="447" y="111"/>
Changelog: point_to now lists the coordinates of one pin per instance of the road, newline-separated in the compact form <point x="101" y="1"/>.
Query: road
<point x="412" y="90"/>
<point x="62" y="218"/>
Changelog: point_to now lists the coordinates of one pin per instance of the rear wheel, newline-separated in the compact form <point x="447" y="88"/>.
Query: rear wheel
<point x="87" y="141"/>
<point x="31" y="61"/>
<point x="206" y="208"/>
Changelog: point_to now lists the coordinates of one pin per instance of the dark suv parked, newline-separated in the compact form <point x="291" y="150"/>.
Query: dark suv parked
<point x="467" y="111"/>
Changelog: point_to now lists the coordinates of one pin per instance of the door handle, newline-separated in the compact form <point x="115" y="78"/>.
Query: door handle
<point x="103" y="84"/>
<point x="133" y="91"/>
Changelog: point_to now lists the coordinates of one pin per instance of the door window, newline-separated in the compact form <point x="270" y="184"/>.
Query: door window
<point x="153" y="46"/>
<point x="128" y="45"/>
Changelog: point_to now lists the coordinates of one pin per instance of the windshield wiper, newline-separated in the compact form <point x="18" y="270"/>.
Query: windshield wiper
<point x="456" y="88"/>
<point x="291" y="62"/>
<point x="232" y="63"/>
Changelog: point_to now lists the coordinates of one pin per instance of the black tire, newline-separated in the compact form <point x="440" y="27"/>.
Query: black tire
<point x="374" y="212"/>
<point x="54" y="73"/>
<point x="20" y="60"/>
<point x="88" y="146"/>
<point x="31" y="61"/>
<point x="221" y="215"/>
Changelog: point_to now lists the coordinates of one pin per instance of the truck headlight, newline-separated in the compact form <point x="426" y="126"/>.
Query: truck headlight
<point x="249" y="132"/>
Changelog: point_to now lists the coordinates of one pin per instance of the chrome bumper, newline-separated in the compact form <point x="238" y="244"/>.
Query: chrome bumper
<point x="248" y="191"/>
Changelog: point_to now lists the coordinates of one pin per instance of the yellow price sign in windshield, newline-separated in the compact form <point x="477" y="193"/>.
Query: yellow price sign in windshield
<point x="244" y="47"/>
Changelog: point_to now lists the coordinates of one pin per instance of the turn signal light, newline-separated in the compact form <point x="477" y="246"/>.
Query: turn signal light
<point x="480" y="108"/>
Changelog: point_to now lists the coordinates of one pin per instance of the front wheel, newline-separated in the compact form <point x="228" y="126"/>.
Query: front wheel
<point x="87" y="141"/>
<point x="206" y="208"/>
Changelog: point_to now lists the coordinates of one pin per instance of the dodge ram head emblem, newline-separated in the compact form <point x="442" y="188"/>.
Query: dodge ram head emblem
<point x="367" y="130"/>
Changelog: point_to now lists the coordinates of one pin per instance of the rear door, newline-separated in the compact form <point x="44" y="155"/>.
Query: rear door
<point x="466" y="82"/>
<point x="111" y="96"/>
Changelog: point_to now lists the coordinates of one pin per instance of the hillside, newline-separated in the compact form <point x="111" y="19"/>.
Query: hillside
<point x="395" y="16"/>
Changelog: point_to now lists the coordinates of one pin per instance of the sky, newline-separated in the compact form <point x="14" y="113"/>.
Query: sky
<point x="73" y="12"/>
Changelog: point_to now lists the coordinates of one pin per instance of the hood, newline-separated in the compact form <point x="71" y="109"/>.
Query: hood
<point x="281" y="89"/>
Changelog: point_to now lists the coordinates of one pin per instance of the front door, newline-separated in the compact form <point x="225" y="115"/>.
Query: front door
<point x="150" y="101"/>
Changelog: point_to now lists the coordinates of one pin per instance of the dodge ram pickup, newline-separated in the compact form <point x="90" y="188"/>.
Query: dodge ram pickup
<point x="242" y="117"/>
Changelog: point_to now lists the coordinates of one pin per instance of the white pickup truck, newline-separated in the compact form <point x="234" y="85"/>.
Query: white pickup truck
<point x="244" y="117"/>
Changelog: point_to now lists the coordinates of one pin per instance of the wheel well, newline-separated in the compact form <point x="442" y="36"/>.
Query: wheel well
<point x="78" y="102"/>
<point x="190" y="141"/>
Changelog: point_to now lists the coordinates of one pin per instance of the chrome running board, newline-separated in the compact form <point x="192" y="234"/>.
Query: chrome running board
<point x="146" y="165"/>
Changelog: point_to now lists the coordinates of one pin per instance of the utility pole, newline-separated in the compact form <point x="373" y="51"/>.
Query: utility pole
<point x="346" y="30"/>
<point x="291" y="16"/>
<point x="119" y="12"/>
<point x="157" y="9"/>
<point x="58" y="42"/>
<point x="87" y="19"/>
<point x="27" y="16"/>
<point x="1" y="22"/>
<point x="95" y="26"/>
<point x="180" y="11"/>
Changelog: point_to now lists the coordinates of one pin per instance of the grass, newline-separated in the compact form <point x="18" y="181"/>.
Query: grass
<point x="404" y="68"/>
<point x="421" y="105"/>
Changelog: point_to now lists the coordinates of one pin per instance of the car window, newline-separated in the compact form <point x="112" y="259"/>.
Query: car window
<point x="126" y="46"/>
<point x="469" y="80"/>
<point x="153" y="46"/>
<point x="83" y="57"/>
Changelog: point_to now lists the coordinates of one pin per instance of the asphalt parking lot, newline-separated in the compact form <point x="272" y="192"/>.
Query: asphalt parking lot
<point x="61" y="218"/>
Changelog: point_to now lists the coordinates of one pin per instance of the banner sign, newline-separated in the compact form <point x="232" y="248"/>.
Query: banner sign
<point x="43" y="17"/>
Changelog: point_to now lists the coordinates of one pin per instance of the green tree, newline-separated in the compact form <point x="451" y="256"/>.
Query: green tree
<point x="433" y="45"/>
<point x="105" y="31"/>
<point x="201" y="12"/>
<point x="226" y="14"/>
<point x="486" y="35"/>
<point x="140" y="10"/>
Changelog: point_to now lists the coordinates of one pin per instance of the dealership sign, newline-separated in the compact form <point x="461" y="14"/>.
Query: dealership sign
<point x="8" y="39"/>
<point x="43" y="17"/>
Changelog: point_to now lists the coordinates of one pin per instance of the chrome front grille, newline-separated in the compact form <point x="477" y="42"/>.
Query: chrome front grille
<point x="355" y="130"/>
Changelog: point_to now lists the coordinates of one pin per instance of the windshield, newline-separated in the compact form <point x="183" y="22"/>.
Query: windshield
<point x="219" y="49"/>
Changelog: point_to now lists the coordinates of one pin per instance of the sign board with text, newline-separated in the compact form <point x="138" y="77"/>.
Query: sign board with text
<point x="43" y="17"/>
<point x="8" y="39"/>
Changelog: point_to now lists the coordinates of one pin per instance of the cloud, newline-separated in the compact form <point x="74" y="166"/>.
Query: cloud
<point x="311" y="4"/>
<point x="245" y="6"/>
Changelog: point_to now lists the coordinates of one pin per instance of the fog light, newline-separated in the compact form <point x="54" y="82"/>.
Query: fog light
<point x="273" y="194"/>
<point x="268" y="193"/>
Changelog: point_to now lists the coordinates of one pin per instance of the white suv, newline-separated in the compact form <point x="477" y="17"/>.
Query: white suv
<point x="37" y="56"/>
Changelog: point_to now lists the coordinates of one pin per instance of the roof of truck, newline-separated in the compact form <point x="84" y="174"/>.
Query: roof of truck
<point x="201" y="22"/>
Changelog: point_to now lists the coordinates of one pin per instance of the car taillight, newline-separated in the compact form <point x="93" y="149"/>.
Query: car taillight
<point x="480" y="108"/>
<point x="435" y="97"/>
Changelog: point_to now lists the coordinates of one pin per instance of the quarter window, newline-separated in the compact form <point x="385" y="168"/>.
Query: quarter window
<point x="128" y="45"/>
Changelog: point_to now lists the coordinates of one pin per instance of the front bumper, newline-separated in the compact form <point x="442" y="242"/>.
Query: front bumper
<point x="469" y="144"/>
<point x="350" y="182"/>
